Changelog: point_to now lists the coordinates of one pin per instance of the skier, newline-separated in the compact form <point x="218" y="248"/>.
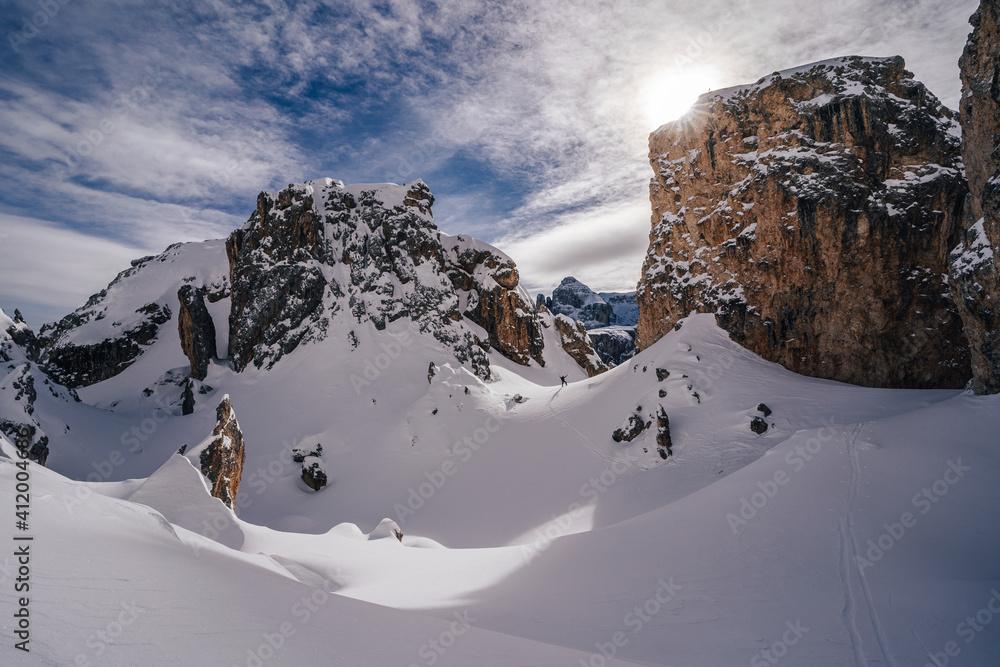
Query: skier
<point x="563" y="379"/>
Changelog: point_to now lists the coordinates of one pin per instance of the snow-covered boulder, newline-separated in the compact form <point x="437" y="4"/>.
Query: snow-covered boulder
<point x="630" y="428"/>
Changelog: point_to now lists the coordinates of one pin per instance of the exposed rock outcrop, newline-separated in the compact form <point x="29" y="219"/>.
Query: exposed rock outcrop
<point x="975" y="264"/>
<point x="574" y="339"/>
<point x="118" y="324"/>
<point x="630" y="428"/>
<point x="489" y="283"/>
<point x="614" y="345"/>
<point x="577" y="301"/>
<point x="22" y="384"/>
<point x="812" y="212"/>
<point x="664" y="442"/>
<point x="196" y="329"/>
<point x="81" y="365"/>
<point x="221" y="456"/>
<point x="319" y="250"/>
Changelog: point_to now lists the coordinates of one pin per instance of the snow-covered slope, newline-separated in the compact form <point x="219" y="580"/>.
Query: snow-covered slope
<point x="522" y="515"/>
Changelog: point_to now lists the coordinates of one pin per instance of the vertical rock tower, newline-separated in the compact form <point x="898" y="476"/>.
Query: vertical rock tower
<point x="975" y="271"/>
<point x="813" y="212"/>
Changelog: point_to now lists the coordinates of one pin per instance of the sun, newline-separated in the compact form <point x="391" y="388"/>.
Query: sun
<point x="667" y="95"/>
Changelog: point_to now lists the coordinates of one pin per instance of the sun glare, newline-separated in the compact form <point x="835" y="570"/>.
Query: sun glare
<point x="669" y="94"/>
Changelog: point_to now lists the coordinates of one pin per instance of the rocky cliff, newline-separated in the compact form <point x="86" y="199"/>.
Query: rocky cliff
<point x="196" y="329"/>
<point x="614" y="345"/>
<point x="975" y="264"/>
<point x="221" y="456"/>
<point x="21" y="380"/>
<point x="813" y="212"/>
<point x="577" y="301"/>
<point x="574" y="339"/>
<point x="372" y="253"/>
<point x="118" y="324"/>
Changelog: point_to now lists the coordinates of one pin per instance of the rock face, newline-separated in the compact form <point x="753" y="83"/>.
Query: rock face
<point x="606" y="316"/>
<point x="574" y="339"/>
<point x="319" y="250"/>
<point x="21" y="382"/>
<point x="630" y="428"/>
<point x="118" y="324"/>
<point x="489" y="283"/>
<point x="577" y="301"/>
<point x="614" y="345"/>
<point x="83" y="364"/>
<point x="664" y="442"/>
<point x="220" y="457"/>
<point x="812" y="212"/>
<point x="196" y="329"/>
<point x="975" y="265"/>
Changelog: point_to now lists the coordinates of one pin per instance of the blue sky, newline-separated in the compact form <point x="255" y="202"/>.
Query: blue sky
<point x="128" y="126"/>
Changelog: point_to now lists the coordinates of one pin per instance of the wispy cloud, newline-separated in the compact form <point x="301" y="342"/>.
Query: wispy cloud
<point x="148" y="124"/>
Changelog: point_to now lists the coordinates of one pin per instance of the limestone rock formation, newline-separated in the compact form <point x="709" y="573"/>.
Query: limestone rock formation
<point x="22" y="385"/>
<point x="614" y="345"/>
<point x="630" y="428"/>
<point x="196" y="329"/>
<point x="314" y="472"/>
<point x="83" y="364"/>
<point x="320" y="250"/>
<point x="975" y="264"/>
<point x="118" y="324"/>
<point x="813" y="212"/>
<point x="574" y="339"/>
<point x="489" y="284"/>
<point x="220" y="457"/>
<point x="664" y="443"/>
<point x="577" y="301"/>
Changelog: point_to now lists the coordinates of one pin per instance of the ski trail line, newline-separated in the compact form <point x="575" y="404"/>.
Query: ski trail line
<point x="849" y="612"/>
<point x="852" y="452"/>
<point x="587" y="441"/>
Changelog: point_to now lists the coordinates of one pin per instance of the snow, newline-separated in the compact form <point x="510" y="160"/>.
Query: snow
<point x="529" y="535"/>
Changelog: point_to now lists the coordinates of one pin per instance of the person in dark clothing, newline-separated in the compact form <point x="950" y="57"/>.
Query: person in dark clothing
<point x="563" y="379"/>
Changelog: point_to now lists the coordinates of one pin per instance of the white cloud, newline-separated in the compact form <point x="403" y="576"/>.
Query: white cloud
<point x="47" y="270"/>
<point x="602" y="247"/>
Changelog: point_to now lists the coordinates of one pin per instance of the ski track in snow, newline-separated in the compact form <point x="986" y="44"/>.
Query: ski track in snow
<point x="587" y="441"/>
<point x="849" y="559"/>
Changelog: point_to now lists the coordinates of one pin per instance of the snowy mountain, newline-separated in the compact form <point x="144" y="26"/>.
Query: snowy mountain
<point x="577" y="301"/>
<point x="340" y="436"/>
